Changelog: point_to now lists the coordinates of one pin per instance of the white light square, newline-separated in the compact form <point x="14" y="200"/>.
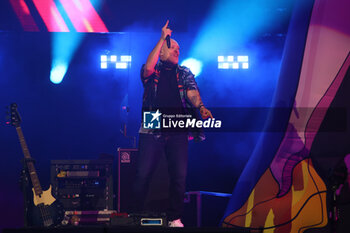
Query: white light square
<point x="245" y="65"/>
<point x="242" y="58"/>
<point x="103" y="58"/>
<point x="121" y="65"/>
<point x="103" y="65"/>
<point x="235" y="65"/>
<point x="230" y="58"/>
<point x="223" y="65"/>
<point x="125" y="58"/>
<point x="113" y="58"/>
<point x="221" y="59"/>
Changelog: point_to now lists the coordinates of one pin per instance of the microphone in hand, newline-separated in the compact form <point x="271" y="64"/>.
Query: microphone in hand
<point x="168" y="41"/>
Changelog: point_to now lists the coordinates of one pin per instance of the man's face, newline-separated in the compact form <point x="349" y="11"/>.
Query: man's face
<point x="170" y="55"/>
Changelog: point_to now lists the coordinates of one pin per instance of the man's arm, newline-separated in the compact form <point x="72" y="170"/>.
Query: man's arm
<point x="154" y="55"/>
<point x="196" y="100"/>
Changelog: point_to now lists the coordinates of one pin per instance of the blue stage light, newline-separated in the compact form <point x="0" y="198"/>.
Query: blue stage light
<point x="58" y="72"/>
<point x="194" y="65"/>
<point x="64" y="46"/>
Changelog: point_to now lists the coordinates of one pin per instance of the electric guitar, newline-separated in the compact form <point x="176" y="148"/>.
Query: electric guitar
<point x="44" y="209"/>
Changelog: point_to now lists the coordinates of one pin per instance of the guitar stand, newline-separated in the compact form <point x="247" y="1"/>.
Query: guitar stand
<point x="24" y="184"/>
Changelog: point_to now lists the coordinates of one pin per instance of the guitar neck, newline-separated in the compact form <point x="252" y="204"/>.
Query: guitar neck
<point x="31" y="169"/>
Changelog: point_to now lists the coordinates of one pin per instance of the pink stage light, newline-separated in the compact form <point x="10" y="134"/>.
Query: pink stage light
<point x="51" y="16"/>
<point x="21" y="9"/>
<point x="83" y="16"/>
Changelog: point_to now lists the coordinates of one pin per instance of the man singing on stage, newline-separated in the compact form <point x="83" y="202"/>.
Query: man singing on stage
<point x="172" y="89"/>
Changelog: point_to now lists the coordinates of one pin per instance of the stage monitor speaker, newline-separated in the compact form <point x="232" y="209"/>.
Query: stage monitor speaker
<point x="157" y="197"/>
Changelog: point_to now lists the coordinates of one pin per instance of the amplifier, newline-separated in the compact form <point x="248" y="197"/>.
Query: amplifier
<point x="83" y="184"/>
<point x="157" y="198"/>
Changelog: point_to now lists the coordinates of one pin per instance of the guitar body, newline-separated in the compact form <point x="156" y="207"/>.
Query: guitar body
<point x="45" y="215"/>
<point x="45" y="198"/>
<point x="45" y="210"/>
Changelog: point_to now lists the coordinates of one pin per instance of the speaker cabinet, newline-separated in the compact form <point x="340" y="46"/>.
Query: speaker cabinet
<point x="157" y="197"/>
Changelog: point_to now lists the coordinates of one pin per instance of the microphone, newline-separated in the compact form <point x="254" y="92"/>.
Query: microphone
<point x="167" y="38"/>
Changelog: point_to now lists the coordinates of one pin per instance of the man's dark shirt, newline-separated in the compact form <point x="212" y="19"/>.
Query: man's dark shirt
<point x="168" y="97"/>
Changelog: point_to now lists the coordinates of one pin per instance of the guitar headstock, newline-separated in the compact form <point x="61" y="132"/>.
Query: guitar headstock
<point x="15" y="118"/>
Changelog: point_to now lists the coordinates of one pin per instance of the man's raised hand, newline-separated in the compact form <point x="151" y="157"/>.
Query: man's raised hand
<point x="165" y="30"/>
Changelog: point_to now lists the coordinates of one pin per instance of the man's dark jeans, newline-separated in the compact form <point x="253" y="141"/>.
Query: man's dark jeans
<point x="175" y="147"/>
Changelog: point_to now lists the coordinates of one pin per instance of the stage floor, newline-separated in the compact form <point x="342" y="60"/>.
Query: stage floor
<point x="100" y="229"/>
